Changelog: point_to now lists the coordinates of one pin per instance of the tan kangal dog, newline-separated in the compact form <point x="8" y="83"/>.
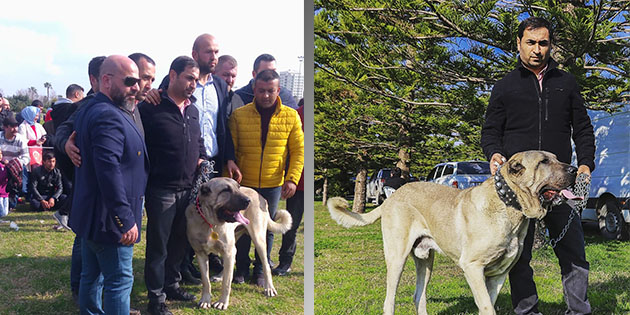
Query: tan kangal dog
<point x="223" y="212"/>
<point x="481" y="228"/>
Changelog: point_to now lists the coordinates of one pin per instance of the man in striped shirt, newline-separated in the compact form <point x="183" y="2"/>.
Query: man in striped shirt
<point x="13" y="146"/>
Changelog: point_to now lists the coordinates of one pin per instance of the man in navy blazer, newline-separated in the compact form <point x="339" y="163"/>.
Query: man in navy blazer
<point x="109" y="189"/>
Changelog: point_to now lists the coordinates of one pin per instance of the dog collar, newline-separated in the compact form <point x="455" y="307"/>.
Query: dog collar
<point x="201" y="213"/>
<point x="506" y="194"/>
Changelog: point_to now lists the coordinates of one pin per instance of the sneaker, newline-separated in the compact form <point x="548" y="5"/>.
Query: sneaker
<point x="281" y="270"/>
<point x="179" y="295"/>
<point x="158" y="309"/>
<point x="215" y="263"/>
<point x="133" y="311"/>
<point x="238" y="279"/>
<point x="258" y="280"/>
<point x="187" y="277"/>
<point x="61" y="219"/>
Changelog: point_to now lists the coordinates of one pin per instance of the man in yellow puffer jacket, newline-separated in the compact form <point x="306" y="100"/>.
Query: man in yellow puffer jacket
<point x="265" y="133"/>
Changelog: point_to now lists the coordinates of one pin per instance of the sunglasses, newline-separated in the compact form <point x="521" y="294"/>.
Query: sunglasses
<point x="128" y="81"/>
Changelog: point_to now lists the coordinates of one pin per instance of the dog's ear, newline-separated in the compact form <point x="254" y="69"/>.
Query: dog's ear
<point x="515" y="167"/>
<point x="205" y="189"/>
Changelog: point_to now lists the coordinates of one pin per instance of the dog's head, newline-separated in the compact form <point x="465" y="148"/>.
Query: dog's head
<point x="222" y="199"/>
<point x="538" y="179"/>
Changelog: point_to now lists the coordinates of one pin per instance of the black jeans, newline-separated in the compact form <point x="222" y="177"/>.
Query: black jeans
<point x="295" y="206"/>
<point x="166" y="240"/>
<point x="571" y="257"/>
<point x="60" y="203"/>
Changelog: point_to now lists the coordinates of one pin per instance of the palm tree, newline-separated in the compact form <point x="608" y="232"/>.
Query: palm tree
<point x="48" y="86"/>
<point x="32" y="92"/>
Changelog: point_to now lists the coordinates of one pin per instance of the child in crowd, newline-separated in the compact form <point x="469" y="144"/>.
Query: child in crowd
<point x="4" y="195"/>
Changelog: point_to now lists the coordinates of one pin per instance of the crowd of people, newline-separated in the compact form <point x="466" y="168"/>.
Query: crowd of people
<point x="124" y="148"/>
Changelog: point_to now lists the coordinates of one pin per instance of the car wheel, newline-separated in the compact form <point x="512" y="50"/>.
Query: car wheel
<point x="611" y="223"/>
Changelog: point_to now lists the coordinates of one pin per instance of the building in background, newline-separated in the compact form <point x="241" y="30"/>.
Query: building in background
<point x="294" y="81"/>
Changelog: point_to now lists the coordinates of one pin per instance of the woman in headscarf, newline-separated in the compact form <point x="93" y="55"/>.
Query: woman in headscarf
<point x="30" y="127"/>
<point x="34" y="133"/>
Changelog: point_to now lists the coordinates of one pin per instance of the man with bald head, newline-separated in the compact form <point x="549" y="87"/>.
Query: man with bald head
<point x="111" y="202"/>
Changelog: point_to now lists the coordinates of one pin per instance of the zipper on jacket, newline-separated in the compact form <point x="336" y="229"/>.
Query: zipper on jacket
<point x="538" y="92"/>
<point x="546" y="104"/>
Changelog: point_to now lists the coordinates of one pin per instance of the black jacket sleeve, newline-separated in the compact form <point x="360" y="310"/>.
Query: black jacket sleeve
<point x="57" y="184"/>
<point x="583" y="135"/>
<point x="492" y="130"/>
<point x="34" y="181"/>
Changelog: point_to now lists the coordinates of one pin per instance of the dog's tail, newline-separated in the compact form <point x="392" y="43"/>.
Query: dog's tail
<point x="338" y="206"/>
<point x="282" y="223"/>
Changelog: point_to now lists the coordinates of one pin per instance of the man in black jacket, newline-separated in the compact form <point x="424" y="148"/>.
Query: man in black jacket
<point x="211" y="99"/>
<point x="46" y="185"/>
<point x="175" y="148"/>
<point x="539" y="107"/>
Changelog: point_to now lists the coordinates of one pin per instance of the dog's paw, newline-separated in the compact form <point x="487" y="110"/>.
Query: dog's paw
<point x="205" y="302"/>
<point x="270" y="292"/>
<point x="220" y="305"/>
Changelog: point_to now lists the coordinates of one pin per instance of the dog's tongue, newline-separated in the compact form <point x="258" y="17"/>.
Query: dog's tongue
<point x="241" y="219"/>
<point x="569" y="195"/>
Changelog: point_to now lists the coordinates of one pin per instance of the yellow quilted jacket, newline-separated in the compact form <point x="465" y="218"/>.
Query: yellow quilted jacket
<point x="265" y="169"/>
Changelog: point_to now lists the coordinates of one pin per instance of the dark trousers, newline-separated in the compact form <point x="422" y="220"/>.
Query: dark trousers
<point x="75" y="265"/>
<point x="36" y="205"/>
<point x="295" y="206"/>
<point x="573" y="266"/>
<point x="166" y="240"/>
<point x="272" y="195"/>
<point x="68" y="189"/>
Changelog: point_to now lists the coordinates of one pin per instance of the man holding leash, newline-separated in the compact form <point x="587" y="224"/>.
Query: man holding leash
<point x="175" y="148"/>
<point x="539" y="107"/>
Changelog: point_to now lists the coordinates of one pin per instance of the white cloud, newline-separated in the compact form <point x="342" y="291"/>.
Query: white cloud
<point x="54" y="41"/>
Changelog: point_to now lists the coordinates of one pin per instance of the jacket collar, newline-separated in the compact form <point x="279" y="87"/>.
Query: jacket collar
<point x="278" y="105"/>
<point x="551" y="65"/>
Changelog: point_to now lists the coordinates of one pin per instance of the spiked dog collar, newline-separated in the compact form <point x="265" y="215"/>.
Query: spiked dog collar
<point x="505" y="193"/>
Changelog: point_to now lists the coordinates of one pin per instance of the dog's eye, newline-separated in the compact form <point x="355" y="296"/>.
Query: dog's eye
<point x="545" y="161"/>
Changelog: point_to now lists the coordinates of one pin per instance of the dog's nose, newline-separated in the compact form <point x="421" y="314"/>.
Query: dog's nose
<point x="572" y="169"/>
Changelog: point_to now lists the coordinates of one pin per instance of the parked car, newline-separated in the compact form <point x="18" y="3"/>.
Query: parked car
<point x="460" y="174"/>
<point x="609" y="196"/>
<point x="374" y="189"/>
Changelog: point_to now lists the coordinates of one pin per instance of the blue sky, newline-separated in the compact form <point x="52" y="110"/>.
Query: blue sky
<point x="53" y="41"/>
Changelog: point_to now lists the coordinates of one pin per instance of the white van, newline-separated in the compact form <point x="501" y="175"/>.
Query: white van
<point x="609" y="197"/>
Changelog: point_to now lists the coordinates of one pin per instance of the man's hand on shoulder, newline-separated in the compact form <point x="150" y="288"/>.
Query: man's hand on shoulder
<point x="153" y="96"/>
<point x="72" y="151"/>
<point x="130" y="237"/>
<point x="234" y="172"/>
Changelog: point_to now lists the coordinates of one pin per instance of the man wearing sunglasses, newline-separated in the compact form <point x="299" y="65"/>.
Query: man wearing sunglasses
<point x="109" y="189"/>
<point x="175" y="146"/>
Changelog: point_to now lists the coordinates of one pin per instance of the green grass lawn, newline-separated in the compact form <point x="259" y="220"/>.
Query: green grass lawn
<point x="350" y="276"/>
<point x="35" y="274"/>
